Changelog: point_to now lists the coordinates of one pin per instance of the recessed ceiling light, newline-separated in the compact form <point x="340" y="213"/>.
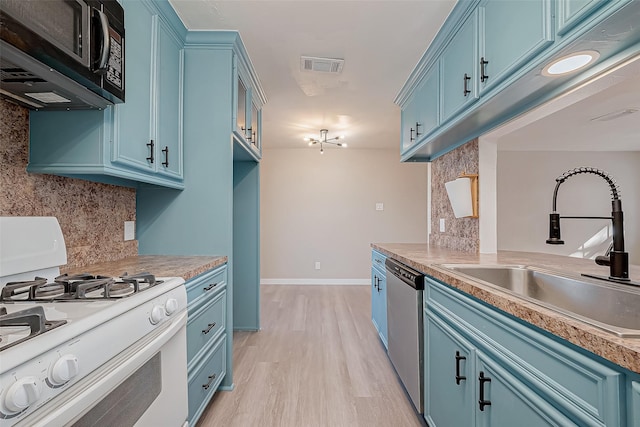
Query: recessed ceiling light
<point x="570" y="63"/>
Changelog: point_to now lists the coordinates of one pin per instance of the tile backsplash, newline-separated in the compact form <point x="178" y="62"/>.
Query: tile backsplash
<point x="91" y="215"/>
<point x="460" y="233"/>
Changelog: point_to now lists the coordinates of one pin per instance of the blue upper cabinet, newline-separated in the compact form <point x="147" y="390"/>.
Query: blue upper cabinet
<point x="421" y="114"/>
<point x="139" y="141"/>
<point x="572" y="12"/>
<point x="490" y="54"/>
<point x="458" y="71"/>
<point x="248" y="100"/>
<point x="511" y="33"/>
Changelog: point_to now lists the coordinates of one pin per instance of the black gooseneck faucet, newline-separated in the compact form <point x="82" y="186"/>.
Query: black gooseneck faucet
<point x="616" y="258"/>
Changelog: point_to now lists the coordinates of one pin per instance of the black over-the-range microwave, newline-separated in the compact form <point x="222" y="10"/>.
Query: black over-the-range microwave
<point x="62" y="54"/>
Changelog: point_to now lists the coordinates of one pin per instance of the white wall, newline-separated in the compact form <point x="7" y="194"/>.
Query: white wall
<point x="317" y="207"/>
<point x="525" y="183"/>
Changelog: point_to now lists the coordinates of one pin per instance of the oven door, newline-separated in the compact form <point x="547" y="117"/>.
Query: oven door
<point x="146" y="385"/>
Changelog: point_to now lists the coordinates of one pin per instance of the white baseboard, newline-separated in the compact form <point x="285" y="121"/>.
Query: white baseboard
<point x="315" y="281"/>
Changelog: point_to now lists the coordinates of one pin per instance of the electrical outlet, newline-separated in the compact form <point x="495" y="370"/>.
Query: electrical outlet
<point x="379" y="206"/>
<point x="442" y="225"/>
<point x="317" y="265"/>
<point x="129" y="230"/>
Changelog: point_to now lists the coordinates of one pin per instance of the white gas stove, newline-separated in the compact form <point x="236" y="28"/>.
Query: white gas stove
<point x="87" y="349"/>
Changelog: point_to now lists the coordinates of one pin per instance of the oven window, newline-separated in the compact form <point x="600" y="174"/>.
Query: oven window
<point x="127" y="402"/>
<point x="57" y="21"/>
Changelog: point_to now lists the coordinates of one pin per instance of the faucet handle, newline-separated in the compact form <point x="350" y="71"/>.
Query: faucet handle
<point x="603" y="260"/>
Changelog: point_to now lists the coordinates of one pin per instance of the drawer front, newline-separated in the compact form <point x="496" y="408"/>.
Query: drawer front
<point x="377" y="260"/>
<point x="587" y="388"/>
<point x="204" y="382"/>
<point x="205" y="323"/>
<point x="206" y="284"/>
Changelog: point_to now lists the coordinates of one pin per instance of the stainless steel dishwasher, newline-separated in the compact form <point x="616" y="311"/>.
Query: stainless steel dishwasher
<point x="405" y="329"/>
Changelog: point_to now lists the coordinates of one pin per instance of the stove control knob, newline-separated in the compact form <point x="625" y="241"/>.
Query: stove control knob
<point x="157" y="314"/>
<point x="22" y="394"/>
<point x="64" y="369"/>
<point x="171" y="306"/>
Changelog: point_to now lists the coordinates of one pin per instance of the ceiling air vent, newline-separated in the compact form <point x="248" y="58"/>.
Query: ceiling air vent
<point x="322" y="65"/>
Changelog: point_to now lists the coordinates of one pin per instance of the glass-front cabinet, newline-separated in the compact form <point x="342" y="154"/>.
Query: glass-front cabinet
<point x="247" y="121"/>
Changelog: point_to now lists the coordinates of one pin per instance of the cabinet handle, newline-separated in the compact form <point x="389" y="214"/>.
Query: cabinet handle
<point x="253" y="139"/>
<point x="466" y="81"/>
<point x="165" y="150"/>
<point x="207" y="385"/>
<point x="483" y="63"/>
<point x="245" y="130"/>
<point x="411" y="138"/>
<point x="375" y="281"/>
<point x="418" y="130"/>
<point x="379" y="280"/>
<point x="482" y="402"/>
<point x="151" y="150"/>
<point x="211" y="286"/>
<point x="210" y="326"/>
<point x="458" y="376"/>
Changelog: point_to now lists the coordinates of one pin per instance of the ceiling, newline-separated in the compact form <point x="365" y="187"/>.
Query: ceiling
<point x="380" y="41"/>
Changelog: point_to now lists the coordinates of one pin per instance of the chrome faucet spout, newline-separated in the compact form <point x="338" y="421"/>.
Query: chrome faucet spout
<point x="616" y="257"/>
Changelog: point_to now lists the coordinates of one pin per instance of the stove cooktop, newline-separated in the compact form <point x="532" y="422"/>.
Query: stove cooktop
<point x="77" y="287"/>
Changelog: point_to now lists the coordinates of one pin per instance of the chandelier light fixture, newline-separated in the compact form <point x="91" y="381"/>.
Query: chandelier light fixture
<point x="324" y="140"/>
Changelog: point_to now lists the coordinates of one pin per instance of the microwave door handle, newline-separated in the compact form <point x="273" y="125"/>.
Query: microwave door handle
<point x="101" y="65"/>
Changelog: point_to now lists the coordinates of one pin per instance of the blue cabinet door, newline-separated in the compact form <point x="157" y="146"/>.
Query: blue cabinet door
<point x="458" y="70"/>
<point x="428" y="101"/>
<point x="634" y="411"/>
<point x="503" y="400"/>
<point x="168" y="101"/>
<point x="379" y="303"/>
<point x="408" y="124"/>
<point x="132" y="140"/>
<point x="511" y="33"/>
<point x="572" y="12"/>
<point x="448" y="376"/>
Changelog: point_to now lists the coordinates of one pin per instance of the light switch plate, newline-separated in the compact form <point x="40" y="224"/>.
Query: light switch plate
<point x="379" y="206"/>
<point x="129" y="230"/>
<point x="317" y="265"/>
<point x="442" y="225"/>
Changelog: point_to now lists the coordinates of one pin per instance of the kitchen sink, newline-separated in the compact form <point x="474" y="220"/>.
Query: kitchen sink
<point x="609" y="306"/>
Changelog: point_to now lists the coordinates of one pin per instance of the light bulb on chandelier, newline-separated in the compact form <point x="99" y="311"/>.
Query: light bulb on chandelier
<point x="324" y="140"/>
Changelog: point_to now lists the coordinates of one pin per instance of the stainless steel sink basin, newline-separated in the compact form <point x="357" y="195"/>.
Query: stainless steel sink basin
<point x="608" y="306"/>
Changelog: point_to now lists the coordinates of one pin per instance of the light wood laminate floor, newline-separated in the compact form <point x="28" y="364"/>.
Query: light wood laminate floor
<point x="318" y="361"/>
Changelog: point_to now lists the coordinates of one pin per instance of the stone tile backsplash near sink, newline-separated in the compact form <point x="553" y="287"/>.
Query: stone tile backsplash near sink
<point x="461" y="234"/>
<point x="91" y="215"/>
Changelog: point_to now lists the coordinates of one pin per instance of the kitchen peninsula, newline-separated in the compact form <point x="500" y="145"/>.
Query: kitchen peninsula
<point x="621" y="351"/>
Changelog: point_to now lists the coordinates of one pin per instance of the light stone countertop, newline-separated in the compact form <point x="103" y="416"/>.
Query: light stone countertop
<point x="621" y="351"/>
<point x="186" y="267"/>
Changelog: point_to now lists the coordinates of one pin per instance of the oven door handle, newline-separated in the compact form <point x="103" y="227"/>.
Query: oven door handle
<point x="86" y="393"/>
<point x="105" y="48"/>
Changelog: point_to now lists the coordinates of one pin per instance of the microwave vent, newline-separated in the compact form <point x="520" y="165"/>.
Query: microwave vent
<point x="18" y="75"/>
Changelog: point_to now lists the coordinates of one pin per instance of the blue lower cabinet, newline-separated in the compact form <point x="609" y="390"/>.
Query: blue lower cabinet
<point x="634" y="409"/>
<point x="207" y="332"/>
<point x="504" y="400"/>
<point x="449" y="376"/>
<point x="205" y="380"/>
<point x="379" y="296"/>
<point x="485" y="368"/>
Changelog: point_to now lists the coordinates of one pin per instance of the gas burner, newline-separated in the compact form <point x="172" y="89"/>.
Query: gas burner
<point x="25" y="324"/>
<point x="118" y="290"/>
